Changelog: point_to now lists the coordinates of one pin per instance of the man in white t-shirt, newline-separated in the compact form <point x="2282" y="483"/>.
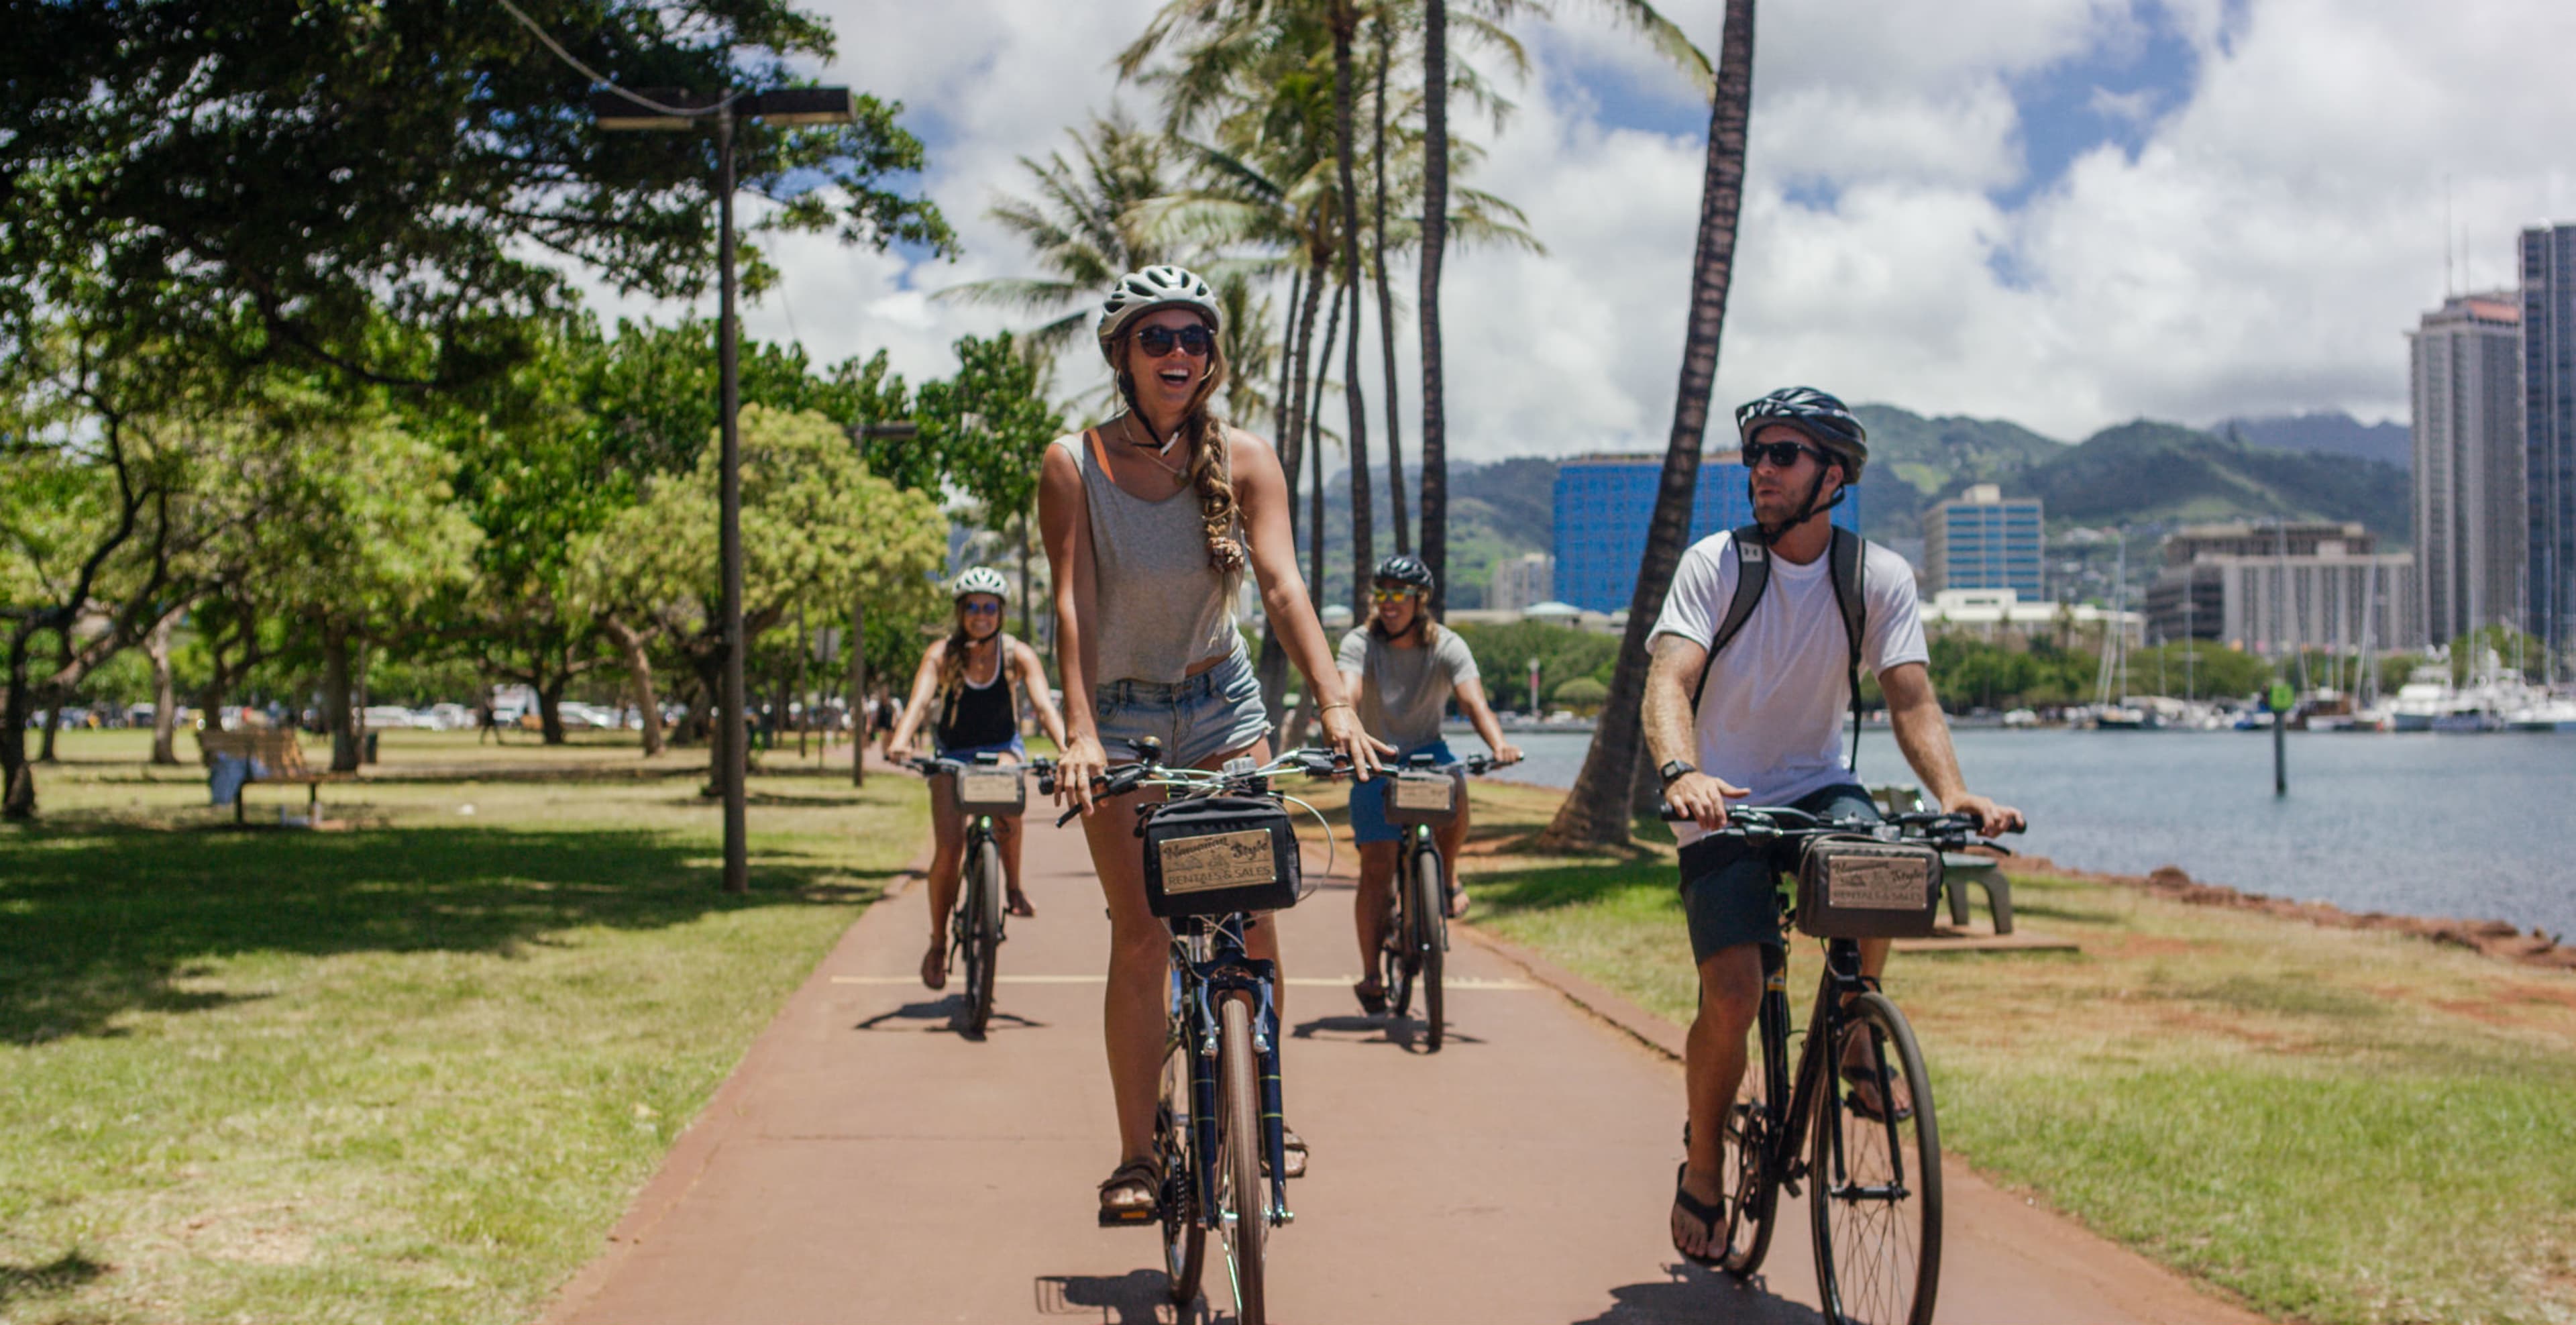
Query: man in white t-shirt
<point x="1767" y="728"/>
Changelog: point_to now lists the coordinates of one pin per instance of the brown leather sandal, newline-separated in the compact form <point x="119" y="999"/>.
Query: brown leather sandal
<point x="1135" y="1177"/>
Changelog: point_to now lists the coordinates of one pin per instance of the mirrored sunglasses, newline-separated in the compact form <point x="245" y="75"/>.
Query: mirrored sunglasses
<point x="1781" y="454"/>
<point x="980" y="609"/>
<point x="1391" y="595"/>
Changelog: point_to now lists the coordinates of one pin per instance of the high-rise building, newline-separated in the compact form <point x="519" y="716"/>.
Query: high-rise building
<point x="2466" y="359"/>
<point x="1980" y="540"/>
<point x="2549" y="435"/>
<point x="1604" y="502"/>
<point x="1522" y="582"/>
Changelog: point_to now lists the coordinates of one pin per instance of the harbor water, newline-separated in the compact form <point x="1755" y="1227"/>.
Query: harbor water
<point x="2434" y="824"/>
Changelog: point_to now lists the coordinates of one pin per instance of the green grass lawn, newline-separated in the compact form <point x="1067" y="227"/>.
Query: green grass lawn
<point x="2336" y="1126"/>
<point x="409" y="1072"/>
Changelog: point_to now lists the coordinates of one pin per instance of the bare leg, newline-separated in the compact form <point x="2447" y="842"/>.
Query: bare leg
<point x="1007" y="836"/>
<point x="1873" y="960"/>
<point x="1368" y="910"/>
<point x="1451" y="839"/>
<point x="1140" y="972"/>
<point x="1730" y="993"/>
<point x="948" y="835"/>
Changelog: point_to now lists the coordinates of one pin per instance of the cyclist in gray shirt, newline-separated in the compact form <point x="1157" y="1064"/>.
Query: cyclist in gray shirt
<point x="1405" y="669"/>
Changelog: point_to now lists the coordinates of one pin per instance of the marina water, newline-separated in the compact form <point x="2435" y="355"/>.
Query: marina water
<point x="2434" y="824"/>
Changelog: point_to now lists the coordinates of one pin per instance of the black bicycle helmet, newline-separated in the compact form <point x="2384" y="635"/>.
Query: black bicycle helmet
<point x="1403" y="569"/>
<point x="1819" y="415"/>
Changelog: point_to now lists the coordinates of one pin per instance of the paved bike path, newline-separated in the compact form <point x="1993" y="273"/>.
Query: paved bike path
<point x="867" y="1164"/>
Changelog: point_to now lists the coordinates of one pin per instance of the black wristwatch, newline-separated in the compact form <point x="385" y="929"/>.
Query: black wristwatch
<point x="1674" y="768"/>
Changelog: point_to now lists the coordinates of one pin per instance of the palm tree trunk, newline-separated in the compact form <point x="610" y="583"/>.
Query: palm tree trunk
<point x="1435" y="232"/>
<point x="1386" y="308"/>
<point x="1315" y="456"/>
<point x="1363" y="533"/>
<point x="1597" y="812"/>
<point x="1287" y="378"/>
<point x="1271" y="669"/>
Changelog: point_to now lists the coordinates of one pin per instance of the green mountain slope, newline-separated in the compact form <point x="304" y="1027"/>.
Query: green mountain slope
<point x="2146" y="472"/>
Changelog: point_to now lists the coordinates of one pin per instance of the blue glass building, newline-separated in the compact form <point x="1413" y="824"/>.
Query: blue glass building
<point x="1603" y="504"/>
<point x="1985" y="540"/>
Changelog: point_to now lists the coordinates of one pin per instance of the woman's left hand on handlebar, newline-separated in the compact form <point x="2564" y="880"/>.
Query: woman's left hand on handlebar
<point x="1366" y="752"/>
<point x="1507" y="754"/>
<point x="1991" y="818"/>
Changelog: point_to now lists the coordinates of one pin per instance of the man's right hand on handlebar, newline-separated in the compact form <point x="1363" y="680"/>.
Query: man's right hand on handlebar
<point x="1703" y="798"/>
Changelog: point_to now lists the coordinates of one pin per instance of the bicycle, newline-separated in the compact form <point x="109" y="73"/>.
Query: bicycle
<point x="1217" y="1121"/>
<point x="1875" y="1208"/>
<point x="982" y="789"/>
<point x="1421" y="797"/>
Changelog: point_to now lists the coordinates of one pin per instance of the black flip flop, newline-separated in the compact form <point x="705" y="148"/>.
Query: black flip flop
<point x="1372" y="1001"/>
<point x="1857" y="1075"/>
<point x="1711" y="1217"/>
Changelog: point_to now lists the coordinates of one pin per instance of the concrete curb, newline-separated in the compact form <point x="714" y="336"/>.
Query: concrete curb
<point x="1617" y="1010"/>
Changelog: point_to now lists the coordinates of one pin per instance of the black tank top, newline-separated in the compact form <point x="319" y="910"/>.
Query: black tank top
<point x="981" y="715"/>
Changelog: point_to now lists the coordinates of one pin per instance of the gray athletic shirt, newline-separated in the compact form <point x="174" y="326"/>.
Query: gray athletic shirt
<point x="1162" y="606"/>
<point x="1403" y="691"/>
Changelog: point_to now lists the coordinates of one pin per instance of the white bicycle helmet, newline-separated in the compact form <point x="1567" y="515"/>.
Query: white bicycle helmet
<point x="980" y="579"/>
<point x="1140" y="292"/>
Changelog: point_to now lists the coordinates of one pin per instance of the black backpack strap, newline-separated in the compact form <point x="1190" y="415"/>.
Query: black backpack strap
<point x="1850" y="556"/>
<point x="1752" y="576"/>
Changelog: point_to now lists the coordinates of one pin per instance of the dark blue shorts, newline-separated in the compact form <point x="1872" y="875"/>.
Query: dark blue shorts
<point x="1368" y="799"/>
<point x="1732" y="894"/>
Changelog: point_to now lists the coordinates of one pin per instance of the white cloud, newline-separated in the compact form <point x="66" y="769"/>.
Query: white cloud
<point x="2263" y="250"/>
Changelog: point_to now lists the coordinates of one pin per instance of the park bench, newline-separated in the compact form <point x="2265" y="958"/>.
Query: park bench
<point x="1959" y="869"/>
<point x="275" y="756"/>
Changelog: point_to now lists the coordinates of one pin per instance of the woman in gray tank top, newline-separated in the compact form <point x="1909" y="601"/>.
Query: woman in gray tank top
<point x="1150" y="522"/>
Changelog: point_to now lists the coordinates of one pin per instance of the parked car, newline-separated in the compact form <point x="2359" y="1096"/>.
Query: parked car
<point x="448" y="717"/>
<point x="386" y="717"/>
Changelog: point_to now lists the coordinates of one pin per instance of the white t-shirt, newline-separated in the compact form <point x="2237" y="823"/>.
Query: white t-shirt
<point x="1771" y="720"/>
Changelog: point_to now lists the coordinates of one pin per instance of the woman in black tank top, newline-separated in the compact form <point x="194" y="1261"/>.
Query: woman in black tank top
<point x="965" y="687"/>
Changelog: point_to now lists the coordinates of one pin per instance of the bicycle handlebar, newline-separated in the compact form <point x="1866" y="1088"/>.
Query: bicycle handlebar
<point x="1316" y="764"/>
<point x="1771" y="822"/>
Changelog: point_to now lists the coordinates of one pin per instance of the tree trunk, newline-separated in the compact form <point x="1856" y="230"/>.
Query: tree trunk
<point x="639" y="674"/>
<point x="1386" y="308"/>
<point x="53" y="728"/>
<point x="1597" y="810"/>
<point x="335" y="700"/>
<point x="859" y="732"/>
<point x="1435" y="233"/>
<point x="710" y="669"/>
<point x="1028" y="593"/>
<point x="1363" y="519"/>
<point x="18" y="800"/>
<point x="1305" y="300"/>
<point x="1315" y="456"/>
<point x="1288" y="376"/>
<point x="165" y="694"/>
<point x="550" y="707"/>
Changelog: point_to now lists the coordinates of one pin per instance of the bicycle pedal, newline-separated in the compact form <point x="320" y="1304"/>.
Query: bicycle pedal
<point x="1128" y="1218"/>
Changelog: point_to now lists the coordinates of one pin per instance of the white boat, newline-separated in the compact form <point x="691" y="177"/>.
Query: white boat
<point x="2548" y="715"/>
<point x="2426" y="695"/>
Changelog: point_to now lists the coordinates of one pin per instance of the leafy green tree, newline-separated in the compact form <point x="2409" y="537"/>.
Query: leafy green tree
<point x="992" y="424"/>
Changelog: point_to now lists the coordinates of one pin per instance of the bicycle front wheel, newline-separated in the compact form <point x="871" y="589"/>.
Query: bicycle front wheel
<point x="1184" y="1233"/>
<point x="1875" y="1178"/>
<point x="1243" y="1198"/>
<point x="1750" y="1181"/>
<point x="1429" y="939"/>
<point x="983" y="933"/>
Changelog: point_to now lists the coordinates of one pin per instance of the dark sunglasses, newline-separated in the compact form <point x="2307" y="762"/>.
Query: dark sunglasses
<point x="980" y="609"/>
<point x="1195" y="341"/>
<point x="1781" y="454"/>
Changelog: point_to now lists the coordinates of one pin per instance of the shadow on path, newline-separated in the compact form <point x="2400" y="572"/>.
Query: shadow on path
<point x="102" y="922"/>
<point x="1138" y="1297"/>
<point x="1694" y="1296"/>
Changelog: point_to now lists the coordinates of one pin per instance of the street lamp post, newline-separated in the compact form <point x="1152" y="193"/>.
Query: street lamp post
<point x="654" y="111"/>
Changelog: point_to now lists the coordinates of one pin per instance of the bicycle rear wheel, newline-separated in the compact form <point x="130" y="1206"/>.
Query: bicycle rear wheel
<point x="1184" y="1235"/>
<point x="983" y="937"/>
<point x="1875" y="1181"/>
<point x="1243" y="1197"/>
<point x="1430" y="939"/>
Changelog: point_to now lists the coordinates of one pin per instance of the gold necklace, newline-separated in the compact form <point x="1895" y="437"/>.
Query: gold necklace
<point x="1127" y="425"/>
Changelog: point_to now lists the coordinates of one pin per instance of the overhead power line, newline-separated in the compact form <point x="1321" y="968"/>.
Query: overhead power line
<point x="604" y="80"/>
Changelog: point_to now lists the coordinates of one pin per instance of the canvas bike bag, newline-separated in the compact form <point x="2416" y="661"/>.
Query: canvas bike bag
<point x="1847" y="554"/>
<point x="1863" y="888"/>
<point x="1213" y="855"/>
<point x="1428" y="797"/>
<point x="990" y="789"/>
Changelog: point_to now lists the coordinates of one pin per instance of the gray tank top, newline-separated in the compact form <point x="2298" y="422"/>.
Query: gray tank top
<point x="1162" y="608"/>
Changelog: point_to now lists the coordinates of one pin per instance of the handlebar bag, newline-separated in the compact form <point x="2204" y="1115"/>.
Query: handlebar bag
<point x="1430" y="797"/>
<point x="1863" y="888"/>
<point x="1219" y="854"/>
<point x="991" y="789"/>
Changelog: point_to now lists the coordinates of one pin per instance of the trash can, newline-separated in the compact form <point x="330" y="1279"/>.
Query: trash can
<point x="371" y="747"/>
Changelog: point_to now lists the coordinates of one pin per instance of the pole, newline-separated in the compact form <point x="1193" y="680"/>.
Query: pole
<point x="2280" y="752"/>
<point x="859" y="732"/>
<point x="731" y="754"/>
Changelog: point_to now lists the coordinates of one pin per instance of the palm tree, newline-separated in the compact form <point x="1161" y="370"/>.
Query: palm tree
<point x="1385" y="302"/>
<point x="1599" y="809"/>
<point x="1345" y="15"/>
<point x="1437" y="83"/>
<point x="1087" y="225"/>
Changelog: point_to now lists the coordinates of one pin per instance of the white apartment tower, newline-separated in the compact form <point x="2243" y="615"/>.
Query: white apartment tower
<point x="2469" y="509"/>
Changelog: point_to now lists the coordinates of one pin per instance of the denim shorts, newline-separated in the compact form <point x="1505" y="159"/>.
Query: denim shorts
<point x="1215" y="712"/>
<point x="1368" y="799"/>
<point x="1732" y="895"/>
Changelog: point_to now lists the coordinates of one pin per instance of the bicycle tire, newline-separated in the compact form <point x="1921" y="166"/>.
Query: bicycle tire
<point x="1184" y="1234"/>
<point x="983" y="933"/>
<point x="1430" y="938"/>
<point x="1242" y="1192"/>
<point x="1753" y="1177"/>
<point x="1394" y="953"/>
<point x="1876" y="1210"/>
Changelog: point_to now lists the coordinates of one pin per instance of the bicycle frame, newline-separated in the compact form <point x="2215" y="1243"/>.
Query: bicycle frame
<point x="1841" y="980"/>
<point x="1208" y="962"/>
